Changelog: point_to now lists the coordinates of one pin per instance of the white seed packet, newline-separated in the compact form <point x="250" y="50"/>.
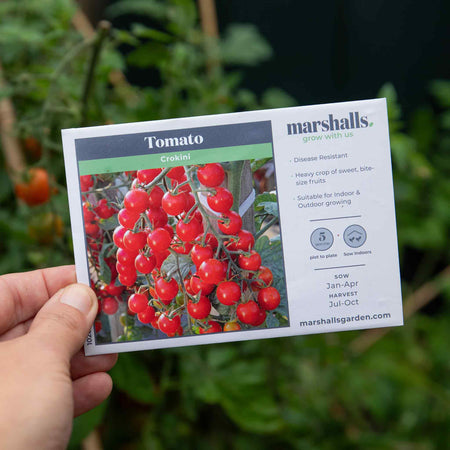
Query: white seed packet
<point x="236" y="226"/>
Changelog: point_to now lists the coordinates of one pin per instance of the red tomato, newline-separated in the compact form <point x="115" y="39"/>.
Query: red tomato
<point x="146" y="316"/>
<point x="114" y="290"/>
<point x="173" y="204"/>
<point x="86" y="182"/>
<point x="260" y="319"/>
<point x="199" y="310"/>
<point x="251" y="262"/>
<point x="157" y="217"/>
<point x="269" y="298"/>
<point x="145" y="264"/>
<point x="128" y="218"/>
<point x="35" y="189"/>
<point x="155" y="196"/>
<point x="213" y="327"/>
<point x="137" y="302"/>
<point x="159" y="240"/>
<point x="134" y="242"/>
<point x="176" y="173"/>
<point x="228" y="293"/>
<point x="198" y="285"/>
<point x="212" y="271"/>
<point x="264" y="278"/>
<point x="118" y="236"/>
<point x="200" y="254"/>
<point x="103" y="210"/>
<point x="221" y="201"/>
<point x="188" y="231"/>
<point x="166" y="290"/>
<point x="136" y="201"/>
<point x="248" y="312"/>
<point x="230" y="223"/>
<point x="147" y="175"/>
<point x="211" y="175"/>
<point x="125" y="257"/>
<point x="167" y="325"/>
<point x="128" y="278"/>
<point x="110" y="306"/>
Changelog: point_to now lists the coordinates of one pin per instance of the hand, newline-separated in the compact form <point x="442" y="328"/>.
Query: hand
<point x="45" y="379"/>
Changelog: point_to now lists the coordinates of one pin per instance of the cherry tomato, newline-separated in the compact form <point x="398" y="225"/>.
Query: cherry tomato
<point x="245" y="241"/>
<point x="260" y="319"/>
<point x="97" y="326"/>
<point x="157" y="217"/>
<point x="198" y="285"/>
<point x="173" y="204"/>
<point x="134" y="241"/>
<point x="35" y="189"/>
<point x="181" y="247"/>
<point x="110" y="306"/>
<point x="231" y="326"/>
<point x="251" y="262"/>
<point x="88" y="214"/>
<point x="155" y="196"/>
<point x="161" y="257"/>
<point x="147" y="175"/>
<point x="128" y="218"/>
<point x="159" y="240"/>
<point x="211" y="175"/>
<point x="114" y="290"/>
<point x="137" y="302"/>
<point x="188" y="231"/>
<point x="146" y="316"/>
<point x="126" y="257"/>
<point x="269" y="298"/>
<point x="213" y="327"/>
<point x="136" y="201"/>
<point x="167" y="325"/>
<point x="228" y="293"/>
<point x="199" y="310"/>
<point x="92" y="229"/>
<point x="212" y="271"/>
<point x="86" y="182"/>
<point x="176" y="173"/>
<point x="145" y="264"/>
<point x="44" y="227"/>
<point x="118" y="236"/>
<point x="166" y="290"/>
<point x="221" y="201"/>
<point x="103" y="210"/>
<point x="200" y="254"/>
<point x="128" y="278"/>
<point x="264" y="278"/>
<point x="230" y="223"/>
<point x="248" y="312"/>
<point x="190" y="201"/>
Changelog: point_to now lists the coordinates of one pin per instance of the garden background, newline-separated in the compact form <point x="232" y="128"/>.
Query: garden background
<point x="156" y="59"/>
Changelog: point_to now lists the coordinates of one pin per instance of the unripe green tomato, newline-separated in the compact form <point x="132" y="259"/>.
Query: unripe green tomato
<point x="180" y="299"/>
<point x="126" y="320"/>
<point x="133" y="334"/>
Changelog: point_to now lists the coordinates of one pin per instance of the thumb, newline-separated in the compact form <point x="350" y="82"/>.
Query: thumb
<point x="64" y="321"/>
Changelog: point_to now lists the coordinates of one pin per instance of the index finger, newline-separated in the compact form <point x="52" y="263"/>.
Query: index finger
<point x="23" y="294"/>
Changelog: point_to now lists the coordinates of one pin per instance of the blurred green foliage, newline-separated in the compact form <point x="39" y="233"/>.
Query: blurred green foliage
<point x="300" y="393"/>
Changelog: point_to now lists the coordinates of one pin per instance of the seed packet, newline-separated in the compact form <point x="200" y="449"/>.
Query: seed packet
<point x="237" y="226"/>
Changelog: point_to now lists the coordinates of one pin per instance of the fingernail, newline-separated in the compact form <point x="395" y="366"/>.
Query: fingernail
<point x="78" y="297"/>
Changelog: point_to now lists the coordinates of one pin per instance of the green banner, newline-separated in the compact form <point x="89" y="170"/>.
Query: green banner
<point x="185" y="158"/>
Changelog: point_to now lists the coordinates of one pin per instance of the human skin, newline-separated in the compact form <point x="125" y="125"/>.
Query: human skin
<point x="45" y="379"/>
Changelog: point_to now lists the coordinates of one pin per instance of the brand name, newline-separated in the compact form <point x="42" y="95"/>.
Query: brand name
<point x="155" y="142"/>
<point x="354" y="120"/>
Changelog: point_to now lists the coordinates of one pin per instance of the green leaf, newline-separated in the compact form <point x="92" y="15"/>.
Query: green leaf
<point x="277" y="98"/>
<point x="131" y="375"/>
<point x="270" y="208"/>
<point x="244" y="45"/>
<point x="109" y="224"/>
<point x="176" y="264"/>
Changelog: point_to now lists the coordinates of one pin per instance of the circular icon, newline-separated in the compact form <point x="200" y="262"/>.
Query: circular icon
<point x="355" y="236"/>
<point x="322" y="239"/>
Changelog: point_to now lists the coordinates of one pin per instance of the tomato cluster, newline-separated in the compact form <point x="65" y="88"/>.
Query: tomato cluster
<point x="182" y="261"/>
